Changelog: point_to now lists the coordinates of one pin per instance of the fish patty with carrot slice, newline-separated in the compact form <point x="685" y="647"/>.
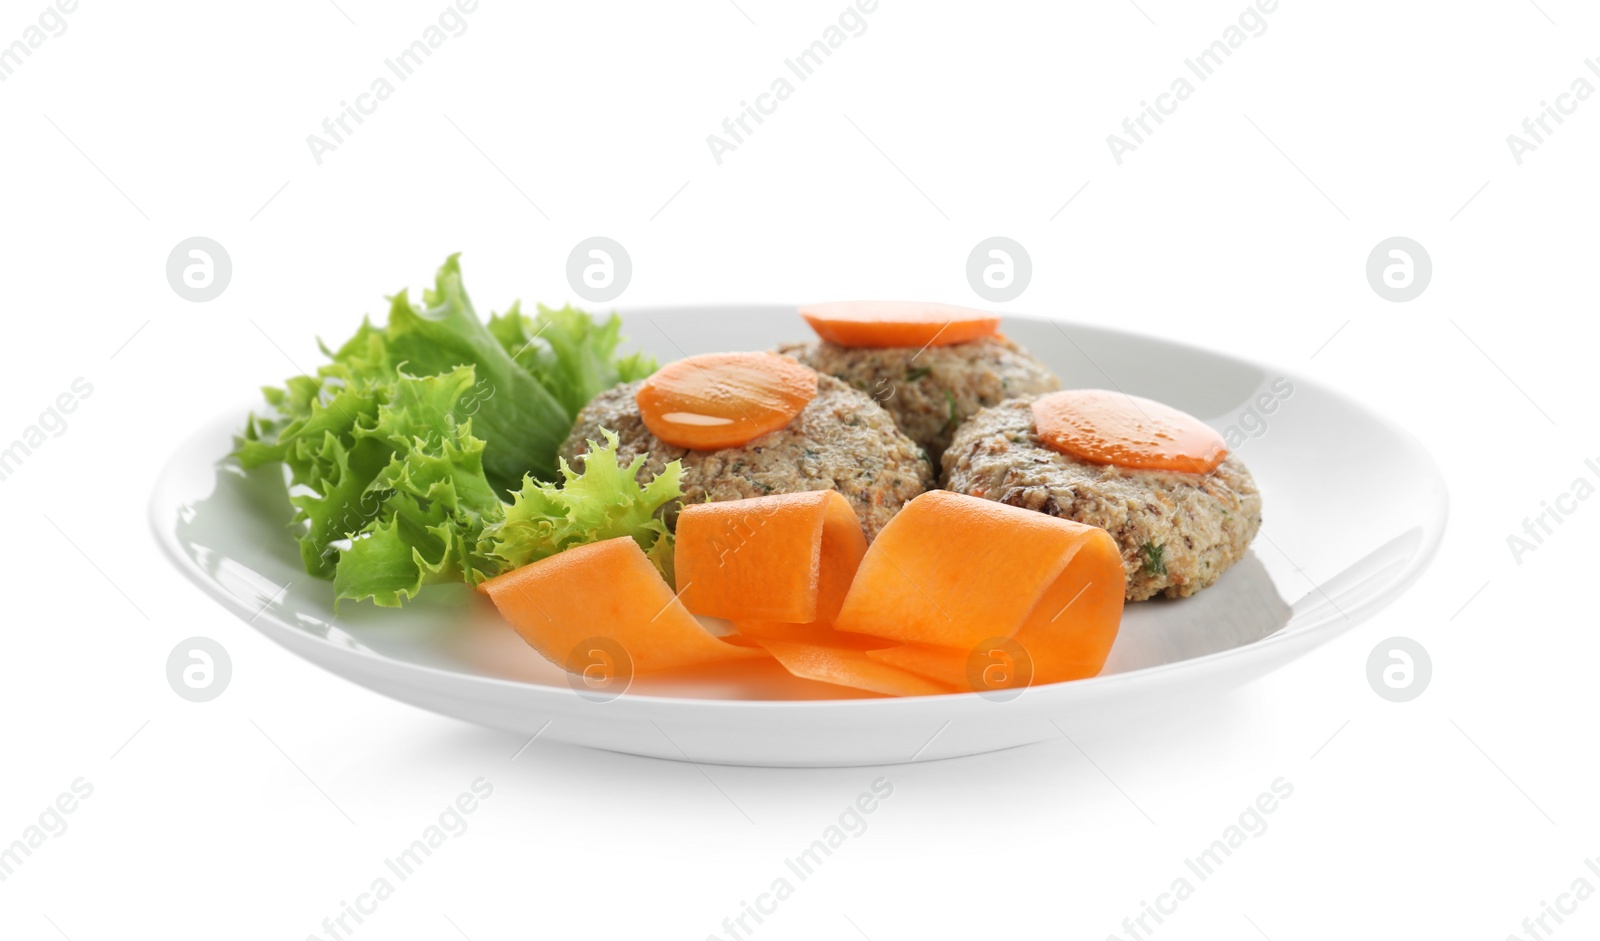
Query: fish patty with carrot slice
<point x="1177" y="531"/>
<point x="932" y="391"/>
<point x="841" y="440"/>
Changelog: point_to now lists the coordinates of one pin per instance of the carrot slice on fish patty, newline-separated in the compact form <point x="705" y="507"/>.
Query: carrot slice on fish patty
<point x="898" y="323"/>
<point x="724" y="400"/>
<point x="1101" y="427"/>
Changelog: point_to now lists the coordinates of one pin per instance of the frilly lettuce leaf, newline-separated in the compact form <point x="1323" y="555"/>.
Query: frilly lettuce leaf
<point x="572" y="350"/>
<point x="437" y="503"/>
<point x="400" y="448"/>
<point x="604" y="502"/>
<point x="515" y="410"/>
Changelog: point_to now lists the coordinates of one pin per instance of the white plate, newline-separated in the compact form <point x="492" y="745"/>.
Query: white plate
<point x="1353" y="509"/>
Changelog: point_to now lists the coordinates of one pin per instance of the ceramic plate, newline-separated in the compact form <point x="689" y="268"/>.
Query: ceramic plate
<point x="1353" y="508"/>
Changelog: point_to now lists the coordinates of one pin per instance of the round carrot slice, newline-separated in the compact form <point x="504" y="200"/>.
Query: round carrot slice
<point x="1101" y="427"/>
<point x="898" y="323"/>
<point x="724" y="400"/>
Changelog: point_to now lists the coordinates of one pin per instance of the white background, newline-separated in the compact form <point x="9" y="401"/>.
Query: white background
<point x="1455" y="815"/>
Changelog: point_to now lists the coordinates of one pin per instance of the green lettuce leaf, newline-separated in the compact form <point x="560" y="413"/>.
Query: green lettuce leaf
<point x="513" y="408"/>
<point x="400" y="449"/>
<point x="604" y="502"/>
<point x="569" y="350"/>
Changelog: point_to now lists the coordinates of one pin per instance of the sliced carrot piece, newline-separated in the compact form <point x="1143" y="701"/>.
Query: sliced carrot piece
<point x="787" y="557"/>
<point x="1102" y="427"/>
<point x="780" y="567"/>
<point x="820" y="634"/>
<point x="724" y="400"/>
<point x="897" y="323"/>
<point x="853" y="668"/>
<point x="605" y="589"/>
<point x="952" y="572"/>
<point x="1070" y="631"/>
<point x="946" y="665"/>
<point x="1065" y="622"/>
